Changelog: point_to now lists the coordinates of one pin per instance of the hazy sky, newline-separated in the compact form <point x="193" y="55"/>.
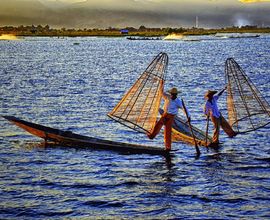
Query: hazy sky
<point x="123" y="13"/>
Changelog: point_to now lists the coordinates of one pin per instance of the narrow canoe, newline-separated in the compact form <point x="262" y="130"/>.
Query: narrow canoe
<point x="181" y="132"/>
<point x="67" y="138"/>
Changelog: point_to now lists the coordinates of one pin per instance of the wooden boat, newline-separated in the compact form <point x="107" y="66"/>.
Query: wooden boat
<point x="143" y="38"/>
<point x="68" y="138"/>
<point x="181" y="132"/>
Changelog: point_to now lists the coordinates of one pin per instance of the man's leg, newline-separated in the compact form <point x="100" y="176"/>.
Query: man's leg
<point x="216" y="122"/>
<point x="157" y="127"/>
<point x="168" y="132"/>
<point x="227" y="128"/>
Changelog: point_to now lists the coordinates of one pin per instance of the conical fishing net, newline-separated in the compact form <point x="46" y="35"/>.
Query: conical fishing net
<point x="138" y="109"/>
<point x="247" y="108"/>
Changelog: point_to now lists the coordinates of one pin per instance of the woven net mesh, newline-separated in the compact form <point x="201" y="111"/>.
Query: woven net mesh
<point x="138" y="109"/>
<point x="247" y="108"/>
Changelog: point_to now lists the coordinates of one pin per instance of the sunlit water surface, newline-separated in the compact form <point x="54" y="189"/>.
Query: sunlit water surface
<point x="60" y="84"/>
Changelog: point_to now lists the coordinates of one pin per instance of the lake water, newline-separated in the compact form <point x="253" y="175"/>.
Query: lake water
<point x="72" y="84"/>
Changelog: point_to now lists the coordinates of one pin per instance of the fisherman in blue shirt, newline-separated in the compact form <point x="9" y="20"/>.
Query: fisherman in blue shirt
<point x="212" y="111"/>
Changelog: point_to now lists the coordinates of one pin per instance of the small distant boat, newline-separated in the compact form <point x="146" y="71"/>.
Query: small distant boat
<point x="76" y="43"/>
<point x="70" y="139"/>
<point x="191" y="39"/>
<point x="245" y="36"/>
<point x="237" y="35"/>
<point x="143" y="38"/>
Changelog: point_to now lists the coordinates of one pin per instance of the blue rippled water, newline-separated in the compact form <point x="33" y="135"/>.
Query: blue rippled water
<point x="69" y="86"/>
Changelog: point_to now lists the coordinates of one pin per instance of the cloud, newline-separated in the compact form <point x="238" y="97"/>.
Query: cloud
<point x="122" y="13"/>
<point x="253" y="1"/>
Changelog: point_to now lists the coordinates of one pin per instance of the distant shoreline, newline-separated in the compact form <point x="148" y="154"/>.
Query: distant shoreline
<point x="46" y="31"/>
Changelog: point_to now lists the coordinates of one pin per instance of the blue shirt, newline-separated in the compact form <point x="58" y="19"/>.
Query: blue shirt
<point x="212" y="108"/>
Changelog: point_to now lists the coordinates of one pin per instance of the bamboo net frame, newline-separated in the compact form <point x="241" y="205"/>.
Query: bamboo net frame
<point x="138" y="109"/>
<point x="247" y="108"/>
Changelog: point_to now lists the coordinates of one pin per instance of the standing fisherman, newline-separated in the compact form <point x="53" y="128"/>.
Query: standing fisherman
<point x="211" y="109"/>
<point x="171" y="106"/>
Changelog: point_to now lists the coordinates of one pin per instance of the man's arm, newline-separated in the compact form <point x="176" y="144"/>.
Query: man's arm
<point x="221" y="92"/>
<point x="165" y="95"/>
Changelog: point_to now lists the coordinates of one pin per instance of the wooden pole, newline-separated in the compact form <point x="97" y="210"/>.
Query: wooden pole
<point x="191" y="129"/>
<point x="206" y="133"/>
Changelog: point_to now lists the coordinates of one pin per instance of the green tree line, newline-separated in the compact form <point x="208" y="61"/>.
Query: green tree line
<point x="46" y="30"/>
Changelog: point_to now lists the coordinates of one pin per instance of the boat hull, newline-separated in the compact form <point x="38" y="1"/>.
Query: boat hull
<point x="181" y="132"/>
<point x="67" y="138"/>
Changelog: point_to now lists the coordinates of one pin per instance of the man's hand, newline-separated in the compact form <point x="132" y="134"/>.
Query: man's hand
<point x="221" y="92"/>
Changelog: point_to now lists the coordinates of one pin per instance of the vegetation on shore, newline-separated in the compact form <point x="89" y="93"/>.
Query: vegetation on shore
<point x="143" y="31"/>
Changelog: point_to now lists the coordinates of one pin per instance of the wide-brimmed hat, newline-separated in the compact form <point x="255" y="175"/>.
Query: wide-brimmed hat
<point x="174" y="91"/>
<point x="210" y="93"/>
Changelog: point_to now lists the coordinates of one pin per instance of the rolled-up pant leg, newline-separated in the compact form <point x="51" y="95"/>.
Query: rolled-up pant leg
<point x="168" y="131"/>
<point x="167" y="120"/>
<point x="157" y="127"/>
<point x="216" y="122"/>
<point x="226" y="127"/>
